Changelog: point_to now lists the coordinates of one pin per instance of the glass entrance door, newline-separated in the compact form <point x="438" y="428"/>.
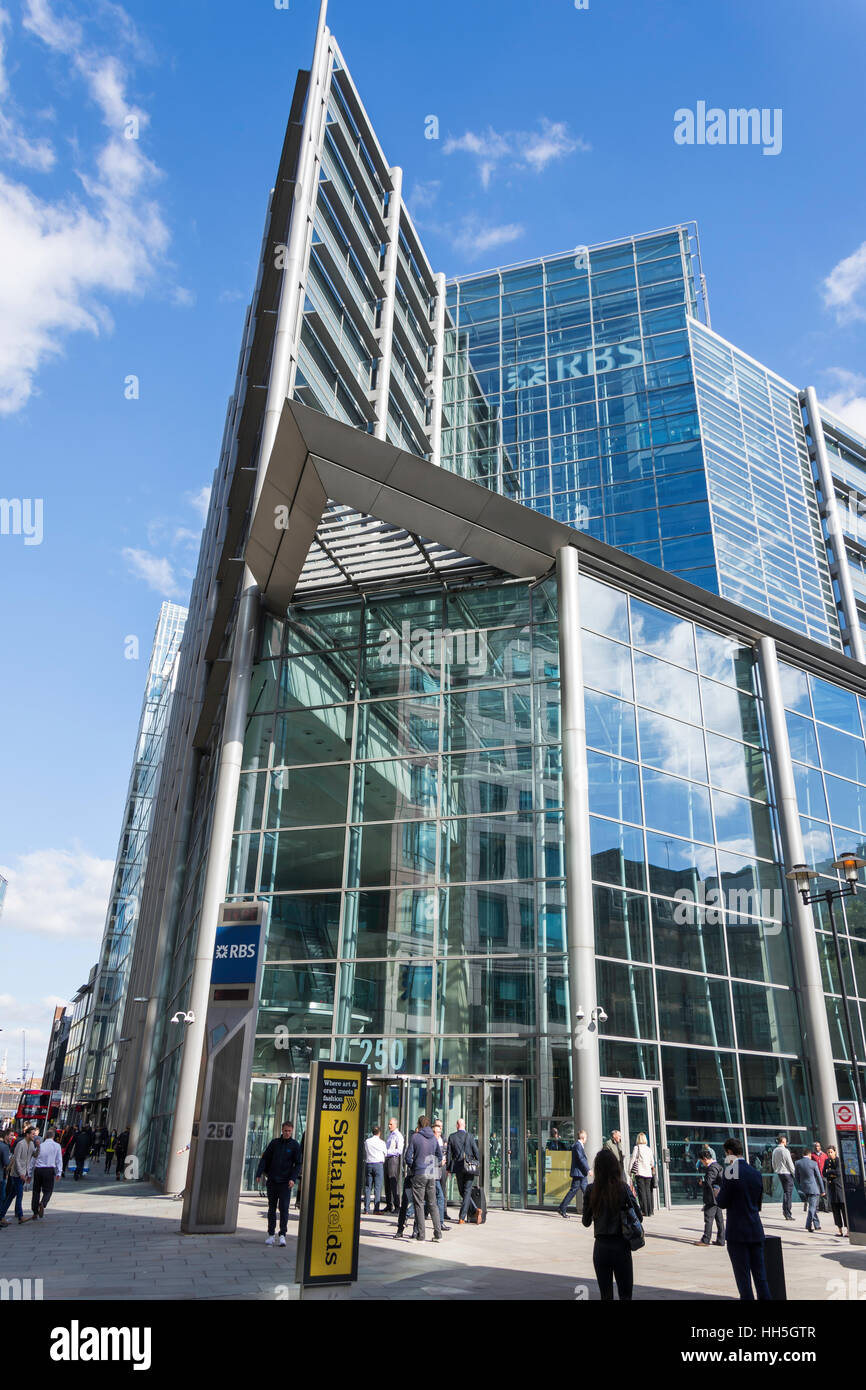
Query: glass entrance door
<point x="494" y="1112"/>
<point x="634" y="1110"/>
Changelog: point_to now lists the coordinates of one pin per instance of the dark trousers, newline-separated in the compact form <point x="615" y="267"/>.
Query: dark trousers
<point x="392" y="1183"/>
<point x="611" y="1260"/>
<point x="14" y="1193"/>
<point x="645" y="1194"/>
<point x="79" y="1165"/>
<point x="278" y="1192"/>
<point x="407" y="1206"/>
<point x="43" y="1186"/>
<point x="109" y="1156"/>
<point x="839" y="1215"/>
<point x="713" y="1215"/>
<point x="747" y="1262"/>
<point x="787" y="1181"/>
<point x="119" y="1163"/>
<point x="424" y="1194"/>
<point x="578" y="1184"/>
<point x="464" y="1184"/>
<point x="373" y="1184"/>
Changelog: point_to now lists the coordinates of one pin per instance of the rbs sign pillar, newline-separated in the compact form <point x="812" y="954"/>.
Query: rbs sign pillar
<point x="219" y="1132"/>
<point x="330" y="1225"/>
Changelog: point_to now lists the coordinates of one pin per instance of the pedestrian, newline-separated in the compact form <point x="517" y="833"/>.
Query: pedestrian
<point x="783" y="1167"/>
<point x="407" y="1207"/>
<point x="46" y="1167"/>
<point x="110" y="1145"/>
<point x="741" y="1193"/>
<point x="280" y="1165"/>
<point x="299" y="1184"/>
<point x="374" y="1169"/>
<point x="81" y="1150"/>
<point x="5" y="1172"/>
<point x="394" y="1145"/>
<point x="442" y="1178"/>
<point x="121" y="1144"/>
<point x="579" y="1174"/>
<point x="835" y="1184"/>
<point x="67" y="1145"/>
<point x="556" y="1143"/>
<point x="642" y="1167"/>
<point x="819" y="1155"/>
<point x="713" y="1172"/>
<point x="614" y="1145"/>
<point x="608" y="1199"/>
<point x="422" y="1162"/>
<point x="463" y="1162"/>
<point x="810" y="1185"/>
<point x="98" y="1141"/>
<point x="23" y="1151"/>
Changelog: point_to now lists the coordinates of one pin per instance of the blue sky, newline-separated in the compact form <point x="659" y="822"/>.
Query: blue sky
<point x="128" y="258"/>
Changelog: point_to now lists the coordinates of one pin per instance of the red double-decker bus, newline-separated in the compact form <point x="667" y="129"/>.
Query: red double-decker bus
<point x="37" y="1108"/>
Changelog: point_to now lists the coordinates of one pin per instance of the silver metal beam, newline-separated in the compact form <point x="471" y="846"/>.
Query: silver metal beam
<point x="834" y="526"/>
<point x="437" y="374"/>
<point x="580" y="928"/>
<point x="817" y="1049"/>
<point x="389" y="295"/>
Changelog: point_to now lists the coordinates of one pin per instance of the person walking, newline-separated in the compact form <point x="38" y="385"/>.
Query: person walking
<point x="442" y="1178"/>
<point x="422" y="1163"/>
<point x="614" y="1146"/>
<point x="741" y="1193"/>
<point x="110" y="1144"/>
<point x="46" y="1167"/>
<point x="394" y="1145"/>
<point x="463" y="1162"/>
<point x="374" y="1169"/>
<point x="23" y="1152"/>
<point x="642" y="1167"/>
<point x="783" y="1167"/>
<point x="67" y="1145"/>
<point x="81" y="1150"/>
<point x="280" y="1165"/>
<point x="712" y="1212"/>
<point x="607" y="1198"/>
<point x="835" y="1184"/>
<point x="579" y="1174"/>
<point x="810" y="1185"/>
<point x="5" y="1173"/>
<point x="121" y="1144"/>
<point x="819" y="1155"/>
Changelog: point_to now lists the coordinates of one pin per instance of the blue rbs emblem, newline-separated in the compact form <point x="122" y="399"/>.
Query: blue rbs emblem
<point x="235" y="954"/>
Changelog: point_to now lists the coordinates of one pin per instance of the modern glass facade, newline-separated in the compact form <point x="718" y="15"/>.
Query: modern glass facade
<point x="390" y="768"/>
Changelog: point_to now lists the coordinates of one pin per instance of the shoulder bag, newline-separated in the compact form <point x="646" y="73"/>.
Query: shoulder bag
<point x="631" y="1227"/>
<point x="470" y="1164"/>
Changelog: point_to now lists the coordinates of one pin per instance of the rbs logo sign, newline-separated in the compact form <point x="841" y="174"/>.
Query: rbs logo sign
<point x="235" y="954"/>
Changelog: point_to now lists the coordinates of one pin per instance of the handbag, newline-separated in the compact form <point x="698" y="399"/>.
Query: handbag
<point x="631" y="1228"/>
<point x="470" y="1165"/>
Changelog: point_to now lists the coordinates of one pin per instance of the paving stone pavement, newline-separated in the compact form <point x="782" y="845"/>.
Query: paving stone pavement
<point x="103" y="1239"/>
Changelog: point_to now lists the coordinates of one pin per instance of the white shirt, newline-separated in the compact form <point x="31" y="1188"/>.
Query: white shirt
<point x="642" y="1160"/>
<point x="374" y="1149"/>
<point x="49" y="1155"/>
<point x="394" y="1143"/>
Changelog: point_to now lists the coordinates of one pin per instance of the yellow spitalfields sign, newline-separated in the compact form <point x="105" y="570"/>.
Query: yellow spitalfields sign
<point x="333" y="1152"/>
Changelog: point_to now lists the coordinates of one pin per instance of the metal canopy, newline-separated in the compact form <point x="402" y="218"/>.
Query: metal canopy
<point x="383" y="503"/>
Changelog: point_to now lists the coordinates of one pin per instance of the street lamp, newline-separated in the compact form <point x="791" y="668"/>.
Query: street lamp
<point x="801" y="875"/>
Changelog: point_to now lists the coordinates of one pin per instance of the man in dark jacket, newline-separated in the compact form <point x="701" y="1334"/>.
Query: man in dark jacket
<point x="713" y="1173"/>
<point x="121" y="1144"/>
<point x="280" y="1164"/>
<point x="741" y="1193"/>
<point x="810" y="1185"/>
<point x="579" y="1172"/>
<point x="462" y="1148"/>
<point x="614" y="1143"/>
<point x="81" y="1150"/>
<point x="423" y="1162"/>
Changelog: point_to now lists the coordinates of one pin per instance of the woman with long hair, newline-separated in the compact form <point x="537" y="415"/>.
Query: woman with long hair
<point x="642" y="1168"/>
<point x="604" y="1202"/>
<point x="835" y="1180"/>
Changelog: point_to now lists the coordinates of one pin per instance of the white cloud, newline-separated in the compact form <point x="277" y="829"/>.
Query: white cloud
<point x="848" y="400"/>
<point x="517" y="149"/>
<point x="181" y="298"/>
<point x="844" y="284"/>
<point x="58" y="893"/>
<point x="231" y="296"/>
<point x="423" y="195"/>
<point x="14" y="145"/>
<point x="474" y="239"/>
<point x="157" y="571"/>
<point x="61" y="257"/>
<point x="200" y="501"/>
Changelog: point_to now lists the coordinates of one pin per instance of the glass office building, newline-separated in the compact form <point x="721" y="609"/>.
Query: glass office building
<point x="522" y="662"/>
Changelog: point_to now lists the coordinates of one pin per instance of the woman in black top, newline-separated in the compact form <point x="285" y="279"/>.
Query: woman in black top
<point x="603" y="1204"/>
<point x="835" y="1184"/>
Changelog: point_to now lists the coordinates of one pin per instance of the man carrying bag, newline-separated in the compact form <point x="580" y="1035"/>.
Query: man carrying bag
<point x="464" y="1162"/>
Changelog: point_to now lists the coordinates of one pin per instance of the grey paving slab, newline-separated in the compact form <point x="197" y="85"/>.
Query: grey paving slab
<point x="102" y="1240"/>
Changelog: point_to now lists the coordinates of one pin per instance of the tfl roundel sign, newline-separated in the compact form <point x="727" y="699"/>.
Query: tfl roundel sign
<point x="846" y="1115"/>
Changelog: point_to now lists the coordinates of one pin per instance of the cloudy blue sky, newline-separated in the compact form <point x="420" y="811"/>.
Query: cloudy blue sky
<point x="134" y="257"/>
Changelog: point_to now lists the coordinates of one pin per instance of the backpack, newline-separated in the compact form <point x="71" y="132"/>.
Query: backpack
<point x="630" y="1224"/>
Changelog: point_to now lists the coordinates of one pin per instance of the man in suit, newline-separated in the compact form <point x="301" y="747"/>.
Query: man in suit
<point x="810" y="1185"/>
<point x="741" y="1192"/>
<point x="713" y="1173"/>
<point x="614" y="1143"/>
<point x="579" y="1172"/>
<point x="462" y="1150"/>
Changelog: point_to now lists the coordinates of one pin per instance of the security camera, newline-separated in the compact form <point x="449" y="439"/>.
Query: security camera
<point x="181" y="1017"/>
<point x="580" y="1015"/>
<point x="602" y="1016"/>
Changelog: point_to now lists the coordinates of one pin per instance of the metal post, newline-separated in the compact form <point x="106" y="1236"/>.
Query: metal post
<point x="829" y="895"/>
<point x="834" y="525"/>
<point x="389" y="296"/>
<point x="580" y="929"/>
<point x="437" y="373"/>
<point x="815" y="1029"/>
